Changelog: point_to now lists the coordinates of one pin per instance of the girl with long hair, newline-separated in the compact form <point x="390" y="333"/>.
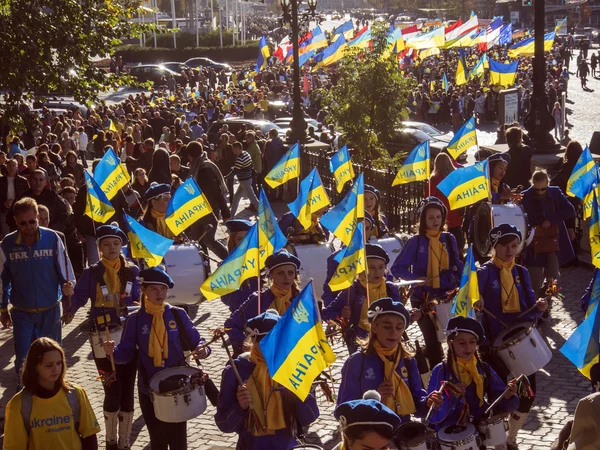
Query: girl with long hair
<point x="372" y="206"/>
<point x="157" y="199"/>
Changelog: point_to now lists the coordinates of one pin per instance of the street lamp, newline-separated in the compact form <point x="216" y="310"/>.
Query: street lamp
<point x="297" y="21"/>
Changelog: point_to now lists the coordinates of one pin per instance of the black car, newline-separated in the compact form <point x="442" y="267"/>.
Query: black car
<point x="175" y="66"/>
<point x="153" y="72"/>
<point x="235" y="125"/>
<point x="406" y="139"/>
<point x="201" y="61"/>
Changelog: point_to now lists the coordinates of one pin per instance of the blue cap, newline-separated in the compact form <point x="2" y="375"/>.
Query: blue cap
<point x="369" y="218"/>
<point x="113" y="231"/>
<point x="155" y="275"/>
<point x="376" y="251"/>
<point x="373" y="190"/>
<point x="155" y="190"/>
<point x="385" y="306"/>
<point x="431" y="201"/>
<point x="280" y="258"/>
<point x="503" y="230"/>
<point x="260" y="325"/>
<point x="366" y="412"/>
<point x="503" y="157"/>
<point x="235" y="225"/>
<point x="467" y="325"/>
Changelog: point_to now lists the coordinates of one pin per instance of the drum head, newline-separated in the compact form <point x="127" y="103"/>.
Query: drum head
<point x="482" y="224"/>
<point x="453" y="433"/>
<point x="308" y="447"/>
<point x="411" y="431"/>
<point x="511" y="333"/>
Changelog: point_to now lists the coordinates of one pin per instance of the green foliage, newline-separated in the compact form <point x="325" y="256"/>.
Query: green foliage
<point x="210" y="39"/>
<point x="370" y="97"/>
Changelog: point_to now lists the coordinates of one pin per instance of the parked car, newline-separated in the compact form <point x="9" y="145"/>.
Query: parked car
<point x="202" y="61"/>
<point x="235" y="125"/>
<point x="153" y="72"/>
<point x="406" y="139"/>
<point x="284" y="122"/>
<point x="425" y="127"/>
<point x="175" y="66"/>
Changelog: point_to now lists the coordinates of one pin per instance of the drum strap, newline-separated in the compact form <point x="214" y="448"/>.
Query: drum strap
<point x="126" y="274"/>
<point x="186" y="345"/>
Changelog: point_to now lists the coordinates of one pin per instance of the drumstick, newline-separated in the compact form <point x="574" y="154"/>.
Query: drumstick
<point x="107" y="336"/>
<point x="500" y="397"/>
<point x="439" y="391"/>
<point x="528" y="310"/>
<point x="494" y="317"/>
<point x="231" y="361"/>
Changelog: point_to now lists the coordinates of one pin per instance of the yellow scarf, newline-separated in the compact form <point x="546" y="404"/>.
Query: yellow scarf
<point x="260" y="386"/>
<point x="158" y="333"/>
<point x="376" y="291"/>
<point x="467" y="372"/>
<point x="495" y="184"/>
<point x="111" y="278"/>
<point x="510" y="295"/>
<point x="437" y="259"/>
<point x="402" y="402"/>
<point x="315" y="227"/>
<point x="282" y="299"/>
<point x="161" y="225"/>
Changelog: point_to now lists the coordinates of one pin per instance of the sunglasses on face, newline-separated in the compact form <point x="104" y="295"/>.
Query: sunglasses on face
<point x="30" y="222"/>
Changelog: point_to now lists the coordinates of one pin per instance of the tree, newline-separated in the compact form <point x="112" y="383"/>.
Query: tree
<point x="370" y="97"/>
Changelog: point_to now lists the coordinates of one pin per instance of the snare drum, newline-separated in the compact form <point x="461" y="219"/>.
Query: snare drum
<point x="443" y="314"/>
<point x="456" y="437"/>
<point x="393" y="246"/>
<point x="98" y="337"/>
<point x="494" y="429"/>
<point x="307" y="447"/>
<point x="182" y="404"/>
<point x="313" y="258"/>
<point x="522" y="348"/>
<point x="413" y="436"/>
<point x="185" y="265"/>
<point x="489" y="216"/>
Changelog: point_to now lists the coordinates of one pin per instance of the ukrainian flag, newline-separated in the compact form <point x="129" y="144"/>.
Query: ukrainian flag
<point x="352" y="261"/>
<point x="585" y="187"/>
<point x="362" y="41"/>
<point x="464" y="139"/>
<point x="478" y="69"/>
<point x="97" y="207"/>
<point x="584" y="164"/>
<point x="263" y="54"/>
<point x="341" y="167"/>
<point x="270" y="237"/>
<point x="112" y="127"/>
<point x="526" y="47"/>
<point x="343" y="28"/>
<point x="445" y="82"/>
<point x="595" y="297"/>
<point x="286" y="169"/>
<point x="462" y="74"/>
<point x="146" y="244"/>
<point x="595" y="233"/>
<point x="432" y="39"/>
<point x="343" y="219"/>
<point x="110" y="174"/>
<point x="503" y="74"/>
<point x="333" y="53"/>
<point x="468" y="292"/>
<point x="241" y="264"/>
<point x="296" y="349"/>
<point x="415" y="167"/>
<point x="311" y="198"/>
<point x="583" y="347"/>
<point x="187" y="206"/>
<point x="467" y="185"/>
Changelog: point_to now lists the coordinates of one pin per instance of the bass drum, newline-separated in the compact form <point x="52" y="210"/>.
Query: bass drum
<point x="186" y="266"/>
<point x="488" y="216"/>
<point x="392" y="245"/>
<point x="313" y="258"/>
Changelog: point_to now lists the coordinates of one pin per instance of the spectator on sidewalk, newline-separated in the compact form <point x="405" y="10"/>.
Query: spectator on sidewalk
<point x="243" y="170"/>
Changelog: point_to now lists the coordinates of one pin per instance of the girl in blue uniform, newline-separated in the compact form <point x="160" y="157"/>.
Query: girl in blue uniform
<point x="384" y="365"/>
<point x="372" y="206"/>
<point x="506" y="292"/>
<point x="463" y="368"/>
<point x="156" y="336"/>
<point x="282" y="288"/>
<point x="278" y="410"/>
<point x="352" y="304"/>
<point x="432" y="256"/>
<point x="112" y="285"/>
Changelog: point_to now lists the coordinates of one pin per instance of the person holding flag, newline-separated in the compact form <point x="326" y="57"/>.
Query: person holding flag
<point x="372" y="206"/>
<point x="157" y="198"/>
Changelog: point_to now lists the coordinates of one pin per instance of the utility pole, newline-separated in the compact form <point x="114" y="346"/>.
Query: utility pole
<point x="173" y="23"/>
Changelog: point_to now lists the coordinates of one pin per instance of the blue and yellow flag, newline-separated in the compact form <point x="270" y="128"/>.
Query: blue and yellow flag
<point x="263" y="54"/>
<point x="594" y="296"/>
<point x="311" y="198"/>
<point x="341" y="167"/>
<point x="595" y="232"/>
<point x="584" y="164"/>
<point x="445" y="82"/>
<point x="146" y="244"/>
<point x="332" y="54"/>
<point x="242" y="263"/>
<point x="462" y="74"/>
<point x="270" y="236"/>
<point x="352" y="261"/>
<point x="464" y="139"/>
<point x="110" y="174"/>
<point x="343" y="28"/>
<point x="468" y="292"/>
<point x="187" y="206"/>
<point x="415" y="167"/>
<point x="503" y="74"/>
<point x="467" y="185"/>
<point x="97" y="207"/>
<point x="585" y="187"/>
<point x="286" y="169"/>
<point x="526" y="47"/>
<point x="583" y="347"/>
<point x="112" y="127"/>
<point x="342" y="219"/>
<point x="296" y="350"/>
<point x="478" y="70"/>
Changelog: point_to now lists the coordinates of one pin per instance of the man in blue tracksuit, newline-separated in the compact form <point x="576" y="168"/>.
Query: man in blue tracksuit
<point x="35" y="268"/>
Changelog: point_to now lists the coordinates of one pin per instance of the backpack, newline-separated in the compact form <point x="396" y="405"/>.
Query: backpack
<point x="27" y="406"/>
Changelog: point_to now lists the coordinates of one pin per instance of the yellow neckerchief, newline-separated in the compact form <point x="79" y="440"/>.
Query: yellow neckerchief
<point x="281" y="302"/>
<point x="161" y="225"/>
<point x="466" y="370"/>
<point x="315" y="227"/>
<point x="113" y="284"/>
<point x="437" y="259"/>
<point x="260" y="386"/>
<point x="510" y="295"/>
<point x="495" y="184"/>
<point x="376" y="291"/>
<point x="402" y="402"/>
<point x="158" y="333"/>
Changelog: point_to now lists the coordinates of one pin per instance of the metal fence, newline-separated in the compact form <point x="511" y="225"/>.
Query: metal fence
<point x="399" y="203"/>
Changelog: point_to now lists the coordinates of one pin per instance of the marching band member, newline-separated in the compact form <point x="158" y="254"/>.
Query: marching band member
<point x="506" y="292"/>
<point x="263" y="413"/>
<point x="351" y="304"/>
<point x="432" y="256"/>
<point x="498" y="164"/>
<point x="237" y="231"/>
<point x="157" y="197"/>
<point x="366" y="423"/>
<point x="281" y="289"/>
<point x="113" y="285"/>
<point x="383" y="364"/>
<point x="463" y="368"/>
<point x="315" y="233"/>
<point x="156" y="335"/>
<point x="372" y="197"/>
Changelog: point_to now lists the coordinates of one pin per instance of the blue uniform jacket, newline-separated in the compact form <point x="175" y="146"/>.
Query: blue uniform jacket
<point x="136" y="334"/>
<point x="556" y="208"/>
<point x="449" y="412"/>
<point x="364" y="371"/>
<point x="289" y="220"/>
<point x="585" y="300"/>
<point x="87" y="288"/>
<point x="237" y="298"/>
<point x="412" y="262"/>
<point x="490" y="290"/>
<point x="32" y="277"/>
<point x="231" y="418"/>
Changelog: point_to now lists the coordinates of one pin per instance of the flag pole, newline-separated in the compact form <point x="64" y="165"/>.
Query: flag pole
<point x="258" y="277"/>
<point x="320" y="321"/>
